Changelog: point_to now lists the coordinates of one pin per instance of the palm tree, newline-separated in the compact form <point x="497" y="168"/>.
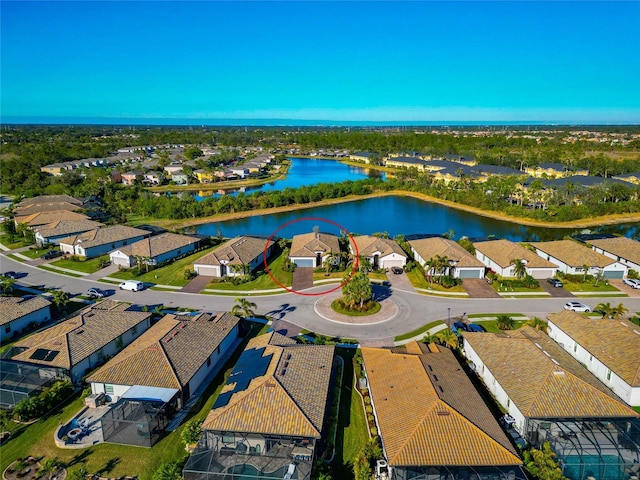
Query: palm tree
<point x="80" y="474"/>
<point x="50" y="467"/>
<point x="448" y="338"/>
<point x="6" y="284"/>
<point x="244" y="308"/>
<point x="605" y="309"/>
<point x="429" y="338"/>
<point x="619" y="311"/>
<point x="585" y="267"/>
<point x="538" y="324"/>
<point x="504" y="322"/>
<point x="519" y="268"/>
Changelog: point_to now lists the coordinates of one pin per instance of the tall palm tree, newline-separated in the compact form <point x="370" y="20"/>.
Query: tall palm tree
<point x="49" y="467"/>
<point x="605" y="309"/>
<point x="244" y="308"/>
<point x="448" y="338"/>
<point x="504" y="322"/>
<point x="519" y="268"/>
<point x="619" y="311"/>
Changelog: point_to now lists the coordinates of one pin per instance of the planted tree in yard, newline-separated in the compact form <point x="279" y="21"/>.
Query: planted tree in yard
<point x="542" y="463"/>
<point x="538" y="324"/>
<point x="357" y="290"/>
<point x="9" y="228"/>
<point x="168" y="471"/>
<point x="448" y="338"/>
<point x="619" y="311"/>
<point x="50" y="467"/>
<point x="519" y="268"/>
<point x="605" y="309"/>
<point x="585" y="268"/>
<point x="80" y="474"/>
<point x="504" y="322"/>
<point x="191" y="432"/>
<point x="244" y="308"/>
<point x="60" y="298"/>
<point x="6" y="284"/>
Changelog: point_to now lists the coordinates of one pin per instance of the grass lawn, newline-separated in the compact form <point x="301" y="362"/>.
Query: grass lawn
<point x="59" y="272"/>
<point x="36" y="252"/>
<point x="17" y="241"/>
<point x="490" y="325"/>
<point x="480" y="315"/>
<point x="417" y="331"/>
<point x="323" y="276"/>
<point x="86" y="266"/>
<point x="263" y="281"/>
<point x="352" y="432"/>
<point x="588" y="286"/>
<point x="172" y="274"/>
<point x="108" y="459"/>
<point x="354" y="313"/>
<point x="417" y="279"/>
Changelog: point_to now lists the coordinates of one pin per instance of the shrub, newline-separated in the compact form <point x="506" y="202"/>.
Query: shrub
<point x="368" y="409"/>
<point x="189" y="274"/>
<point x="367" y="400"/>
<point x="447" y="281"/>
<point x="409" y="266"/>
<point x="34" y="407"/>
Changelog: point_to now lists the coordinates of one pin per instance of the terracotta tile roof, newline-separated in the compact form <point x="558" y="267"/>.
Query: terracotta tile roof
<point x="276" y="388"/>
<point x="614" y="342"/>
<point x="154" y="246"/>
<point x="423" y="420"/>
<point x="541" y="379"/>
<point x="67" y="227"/>
<point x="623" y="247"/>
<point x="45" y="218"/>
<point x="573" y="253"/>
<point x="237" y="251"/>
<point x="307" y="244"/>
<point x="503" y="251"/>
<point x="80" y="336"/>
<point x="102" y="236"/>
<point x="430" y="247"/>
<point x="13" y="308"/>
<point x="368" y="246"/>
<point x="169" y="353"/>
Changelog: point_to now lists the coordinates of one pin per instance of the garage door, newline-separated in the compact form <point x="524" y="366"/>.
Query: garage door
<point x="304" y="262"/>
<point x="208" y="271"/>
<point x="464" y="273"/>
<point x="613" y="274"/>
<point x="393" y="263"/>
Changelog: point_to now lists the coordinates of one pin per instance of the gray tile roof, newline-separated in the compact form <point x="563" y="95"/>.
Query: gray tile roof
<point x="67" y="227"/>
<point x="103" y="236"/>
<point x="154" y="246"/>
<point x="573" y="253"/>
<point x="237" y="251"/>
<point x="13" y="308"/>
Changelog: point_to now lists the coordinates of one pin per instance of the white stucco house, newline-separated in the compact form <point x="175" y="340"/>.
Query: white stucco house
<point x="228" y="259"/>
<point x="498" y="255"/>
<point x="101" y="241"/>
<point x="154" y="250"/>
<point x="621" y="249"/>
<point x="17" y="313"/>
<point x="608" y="348"/>
<point x="381" y="252"/>
<point x="571" y="258"/>
<point x="461" y="263"/>
<point x="312" y="249"/>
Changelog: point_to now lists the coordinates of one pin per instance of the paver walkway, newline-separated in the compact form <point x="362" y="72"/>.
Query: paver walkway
<point x="302" y="278"/>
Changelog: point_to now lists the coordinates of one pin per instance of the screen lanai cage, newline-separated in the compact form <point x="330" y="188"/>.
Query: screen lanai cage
<point x="19" y="381"/>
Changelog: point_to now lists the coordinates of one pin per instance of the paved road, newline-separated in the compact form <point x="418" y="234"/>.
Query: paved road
<point x="414" y="309"/>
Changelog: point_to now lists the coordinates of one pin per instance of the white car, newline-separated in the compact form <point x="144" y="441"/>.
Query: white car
<point x="576" y="307"/>
<point x="632" y="282"/>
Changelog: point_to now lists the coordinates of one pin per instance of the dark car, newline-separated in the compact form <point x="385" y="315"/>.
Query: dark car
<point x="459" y="327"/>
<point x="397" y="270"/>
<point x="10" y="274"/>
<point x="52" y="254"/>
<point x="555" y="282"/>
<point x="474" y="327"/>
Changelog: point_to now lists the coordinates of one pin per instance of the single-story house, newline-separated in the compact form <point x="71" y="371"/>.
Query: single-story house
<point x="432" y="421"/>
<point x="84" y="341"/>
<point x="154" y="250"/>
<point x="461" y="263"/>
<point x="241" y="171"/>
<point x="550" y="397"/>
<point x="228" y="259"/>
<point x="56" y="231"/>
<point x="39" y="219"/>
<point x="204" y="176"/>
<point x="365" y="157"/>
<point x="609" y="349"/>
<point x="153" y="178"/>
<point x="381" y="252"/>
<point x="633" y="177"/>
<point x="17" y="313"/>
<point x="572" y="258"/>
<point x="271" y="412"/>
<point x="173" y="168"/>
<point x="621" y="249"/>
<point x="101" y="241"/>
<point x="498" y="256"/>
<point x="312" y="249"/>
<point x="162" y="368"/>
<point x="44" y="203"/>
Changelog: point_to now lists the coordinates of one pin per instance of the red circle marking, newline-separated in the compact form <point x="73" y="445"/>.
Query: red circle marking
<point x="326" y="220"/>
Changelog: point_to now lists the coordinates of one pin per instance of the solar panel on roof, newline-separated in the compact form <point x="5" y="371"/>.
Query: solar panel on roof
<point x="44" y="354"/>
<point x="252" y="364"/>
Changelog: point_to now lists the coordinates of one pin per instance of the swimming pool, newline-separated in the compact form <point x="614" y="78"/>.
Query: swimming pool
<point x="601" y="467"/>
<point x="245" y="471"/>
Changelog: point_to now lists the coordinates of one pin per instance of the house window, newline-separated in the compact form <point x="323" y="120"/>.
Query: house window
<point x="508" y="402"/>
<point x="228" y="437"/>
<point x="108" y="389"/>
<point x="7" y="328"/>
<point x="575" y="346"/>
<point x="208" y="361"/>
<point x="608" y="374"/>
<point x="591" y="358"/>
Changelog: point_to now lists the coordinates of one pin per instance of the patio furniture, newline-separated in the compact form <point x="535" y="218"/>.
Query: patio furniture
<point x="290" y="470"/>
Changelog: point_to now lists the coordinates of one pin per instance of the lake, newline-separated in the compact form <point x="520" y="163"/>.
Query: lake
<point x="395" y="215"/>
<point x="311" y="171"/>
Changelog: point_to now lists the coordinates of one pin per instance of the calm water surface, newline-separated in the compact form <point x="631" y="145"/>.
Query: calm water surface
<point x="397" y="215"/>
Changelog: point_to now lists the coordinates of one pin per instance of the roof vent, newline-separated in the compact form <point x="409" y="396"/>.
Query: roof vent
<point x="79" y="332"/>
<point x="443" y="412"/>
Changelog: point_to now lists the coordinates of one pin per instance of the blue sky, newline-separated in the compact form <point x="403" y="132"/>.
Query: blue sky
<point x="570" y="62"/>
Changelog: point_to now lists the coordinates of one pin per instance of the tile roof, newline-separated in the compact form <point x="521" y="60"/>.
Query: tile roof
<point x="503" y="251"/>
<point x="423" y="420"/>
<point x="432" y="246"/>
<point x="42" y="199"/>
<point x="80" y="336"/>
<point x="45" y="218"/>
<point x="169" y="353"/>
<point x="237" y="251"/>
<point x="623" y="247"/>
<point x="277" y="387"/>
<point x="307" y="244"/>
<point x="573" y="253"/>
<point x="154" y="246"/>
<point x="45" y="203"/>
<point x="368" y="246"/>
<point x="614" y="342"/>
<point x="541" y="378"/>
<point x="102" y="236"/>
<point x="13" y="308"/>
<point x="67" y="227"/>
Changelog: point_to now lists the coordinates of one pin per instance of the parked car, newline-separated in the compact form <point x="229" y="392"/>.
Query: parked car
<point x="133" y="285"/>
<point x="475" y="327"/>
<point x="459" y="327"/>
<point x="396" y="270"/>
<point x="52" y="254"/>
<point x="10" y="274"/>
<point x="576" y="307"/>
<point x="555" y="282"/>
<point x="95" y="293"/>
<point x="632" y="282"/>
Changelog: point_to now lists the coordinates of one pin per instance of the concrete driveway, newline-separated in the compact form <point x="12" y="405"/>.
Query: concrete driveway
<point x="197" y="284"/>
<point x="400" y="281"/>
<point x="556" y="292"/>
<point x="479" y="288"/>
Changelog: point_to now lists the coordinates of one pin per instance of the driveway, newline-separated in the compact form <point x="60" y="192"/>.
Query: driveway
<point x="555" y="292"/>
<point x="479" y="288"/>
<point x="197" y="284"/>
<point x="623" y="287"/>
<point x="302" y="278"/>
<point x="400" y="281"/>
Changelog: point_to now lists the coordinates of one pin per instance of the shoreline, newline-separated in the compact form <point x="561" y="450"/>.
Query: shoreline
<point x="582" y="223"/>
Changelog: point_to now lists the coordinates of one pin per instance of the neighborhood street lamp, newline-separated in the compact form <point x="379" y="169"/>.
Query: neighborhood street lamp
<point x="449" y="317"/>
